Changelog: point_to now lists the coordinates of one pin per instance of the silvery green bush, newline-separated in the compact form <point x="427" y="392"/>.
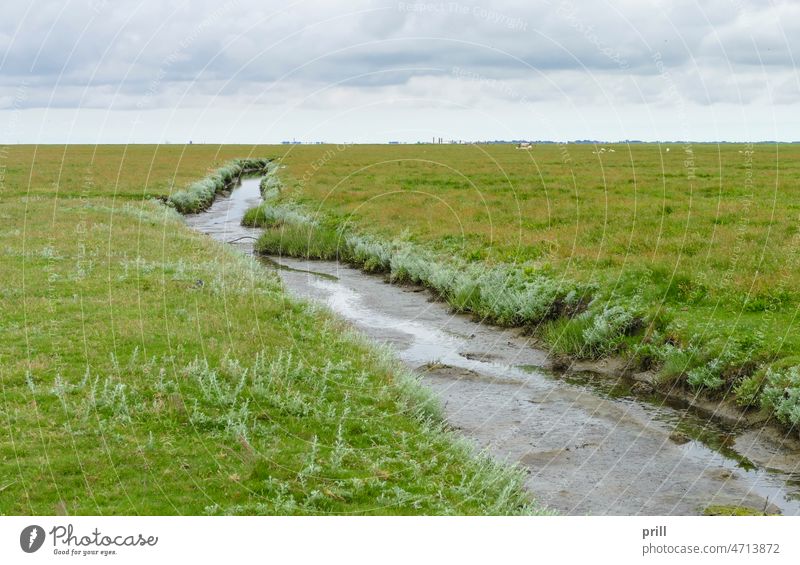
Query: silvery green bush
<point x="372" y="256"/>
<point x="607" y="329"/>
<point x="271" y="185"/>
<point x="782" y="394"/>
<point x="707" y="376"/>
<point x="504" y="295"/>
<point x="200" y="194"/>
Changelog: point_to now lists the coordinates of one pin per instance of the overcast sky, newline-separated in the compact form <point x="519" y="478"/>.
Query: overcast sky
<point x="250" y="71"/>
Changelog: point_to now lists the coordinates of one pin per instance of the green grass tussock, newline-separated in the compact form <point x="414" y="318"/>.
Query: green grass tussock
<point x="306" y="240"/>
<point x="594" y="333"/>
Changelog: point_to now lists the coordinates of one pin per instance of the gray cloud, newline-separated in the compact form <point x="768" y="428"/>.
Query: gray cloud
<point x="146" y="55"/>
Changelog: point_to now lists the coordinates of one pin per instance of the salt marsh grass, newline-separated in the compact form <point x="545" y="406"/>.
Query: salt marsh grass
<point x="199" y="194"/>
<point x="175" y="376"/>
<point x="690" y="274"/>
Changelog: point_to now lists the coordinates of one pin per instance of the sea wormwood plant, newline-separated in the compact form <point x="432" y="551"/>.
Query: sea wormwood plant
<point x="608" y="325"/>
<point x="782" y="394"/>
<point x="270" y="185"/>
<point x="200" y="194"/>
<point x="267" y="215"/>
<point x="503" y="295"/>
<point x="372" y="256"/>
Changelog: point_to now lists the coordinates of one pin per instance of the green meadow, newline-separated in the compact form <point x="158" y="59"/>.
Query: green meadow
<point x="146" y="369"/>
<point x="680" y="258"/>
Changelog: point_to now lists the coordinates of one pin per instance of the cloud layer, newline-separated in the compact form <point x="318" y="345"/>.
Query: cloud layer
<point x="298" y="66"/>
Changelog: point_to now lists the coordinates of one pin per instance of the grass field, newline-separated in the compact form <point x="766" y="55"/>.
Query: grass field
<point x="146" y="369"/>
<point x="682" y="258"/>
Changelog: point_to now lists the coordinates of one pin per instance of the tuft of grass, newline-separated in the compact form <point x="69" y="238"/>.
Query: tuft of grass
<point x="677" y="362"/>
<point x="304" y="240"/>
<point x="566" y="336"/>
<point x="748" y="390"/>
<point x="270" y="185"/>
<point x="607" y="329"/>
<point x="720" y="510"/>
<point x="258" y="217"/>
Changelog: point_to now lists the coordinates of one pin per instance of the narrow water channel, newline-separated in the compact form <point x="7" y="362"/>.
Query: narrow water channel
<point x="588" y="443"/>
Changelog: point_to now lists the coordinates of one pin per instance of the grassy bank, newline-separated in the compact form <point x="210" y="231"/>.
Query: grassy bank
<point x="146" y="369"/>
<point x="200" y="194"/>
<point x="681" y="261"/>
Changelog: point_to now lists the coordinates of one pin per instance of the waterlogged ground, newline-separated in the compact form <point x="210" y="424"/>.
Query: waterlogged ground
<point x="589" y="444"/>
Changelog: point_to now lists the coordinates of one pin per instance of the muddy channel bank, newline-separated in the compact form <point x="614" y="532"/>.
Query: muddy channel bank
<point x="590" y="444"/>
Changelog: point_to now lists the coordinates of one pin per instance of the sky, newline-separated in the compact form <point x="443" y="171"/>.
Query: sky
<point x="372" y="71"/>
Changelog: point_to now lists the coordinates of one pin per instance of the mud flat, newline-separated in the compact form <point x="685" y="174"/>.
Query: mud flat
<point x="590" y="443"/>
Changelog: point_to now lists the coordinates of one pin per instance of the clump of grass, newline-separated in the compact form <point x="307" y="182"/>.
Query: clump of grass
<point x="566" y="335"/>
<point x="720" y="510"/>
<point x="419" y="399"/>
<point x="648" y="354"/>
<point x="200" y="194"/>
<point x="608" y="328"/>
<point x="729" y="368"/>
<point x="677" y="361"/>
<point x="306" y="240"/>
<point x="707" y="376"/>
<point x="503" y="295"/>
<point x="258" y="217"/>
<point x="372" y="256"/>
<point x="593" y="334"/>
